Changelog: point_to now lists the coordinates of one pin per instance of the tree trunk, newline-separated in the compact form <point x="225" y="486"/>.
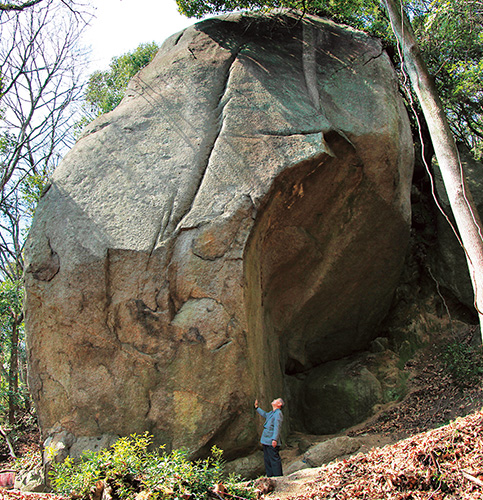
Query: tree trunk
<point x="13" y="373"/>
<point x="464" y="210"/>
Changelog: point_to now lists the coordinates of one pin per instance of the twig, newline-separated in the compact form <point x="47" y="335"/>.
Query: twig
<point x="221" y="497"/>
<point x="435" y="461"/>
<point x="9" y="444"/>
<point x="477" y="481"/>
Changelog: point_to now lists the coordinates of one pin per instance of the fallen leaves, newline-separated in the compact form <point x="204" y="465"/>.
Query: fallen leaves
<point x="441" y="464"/>
<point x="445" y="463"/>
<point x="18" y="495"/>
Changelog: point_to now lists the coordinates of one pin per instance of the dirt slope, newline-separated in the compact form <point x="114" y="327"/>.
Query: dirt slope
<point x="427" y="459"/>
<point x="444" y="463"/>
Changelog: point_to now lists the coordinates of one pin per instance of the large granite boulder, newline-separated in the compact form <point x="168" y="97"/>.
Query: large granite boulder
<point x="240" y="218"/>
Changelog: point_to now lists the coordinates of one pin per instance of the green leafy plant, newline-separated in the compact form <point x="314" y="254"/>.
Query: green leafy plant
<point x="13" y="389"/>
<point x="464" y="362"/>
<point x="106" y="89"/>
<point x="128" y="468"/>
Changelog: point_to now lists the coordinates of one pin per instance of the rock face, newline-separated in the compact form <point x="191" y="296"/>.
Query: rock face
<point x="448" y="260"/>
<point x="241" y="218"/>
<point x="335" y="398"/>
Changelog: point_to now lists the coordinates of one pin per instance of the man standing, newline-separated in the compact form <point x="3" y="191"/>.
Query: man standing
<point x="271" y="437"/>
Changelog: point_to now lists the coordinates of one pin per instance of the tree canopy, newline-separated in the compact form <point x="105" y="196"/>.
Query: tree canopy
<point x="363" y="14"/>
<point x="105" y="89"/>
<point x="450" y="34"/>
<point x="23" y="5"/>
<point x="17" y="5"/>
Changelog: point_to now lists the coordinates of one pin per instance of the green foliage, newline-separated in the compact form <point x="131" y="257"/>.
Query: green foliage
<point x="128" y="467"/>
<point x="199" y="8"/>
<point x="11" y="298"/>
<point x="31" y="191"/>
<point x="464" y="363"/>
<point x="357" y="13"/>
<point x="450" y="34"/>
<point x="106" y="89"/>
<point x="361" y="14"/>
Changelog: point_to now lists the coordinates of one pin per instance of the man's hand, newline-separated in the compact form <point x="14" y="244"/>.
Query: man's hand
<point x="274" y="443"/>
<point x="256" y="403"/>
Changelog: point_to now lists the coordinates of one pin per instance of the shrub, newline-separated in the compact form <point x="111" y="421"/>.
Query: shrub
<point x="128" y="468"/>
<point x="464" y="363"/>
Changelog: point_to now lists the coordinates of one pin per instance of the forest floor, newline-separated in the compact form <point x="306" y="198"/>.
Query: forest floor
<point x="435" y="449"/>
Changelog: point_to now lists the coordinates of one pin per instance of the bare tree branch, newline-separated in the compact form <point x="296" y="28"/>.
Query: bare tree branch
<point x="41" y="62"/>
<point x="40" y="71"/>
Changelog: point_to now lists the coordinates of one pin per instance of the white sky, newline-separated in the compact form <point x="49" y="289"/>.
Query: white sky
<point x="121" y="25"/>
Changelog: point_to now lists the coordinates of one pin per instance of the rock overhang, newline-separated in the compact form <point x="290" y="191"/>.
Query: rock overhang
<point x="241" y="216"/>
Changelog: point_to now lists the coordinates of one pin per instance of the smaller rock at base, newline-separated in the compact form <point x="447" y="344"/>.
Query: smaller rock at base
<point x="93" y="444"/>
<point x="331" y="449"/>
<point x="295" y="467"/>
<point x="249" y="467"/>
<point x="31" y="481"/>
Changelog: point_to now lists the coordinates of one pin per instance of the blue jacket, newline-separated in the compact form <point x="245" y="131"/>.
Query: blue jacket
<point x="272" y="427"/>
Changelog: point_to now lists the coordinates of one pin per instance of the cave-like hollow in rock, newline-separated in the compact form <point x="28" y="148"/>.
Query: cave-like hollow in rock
<point x="322" y="263"/>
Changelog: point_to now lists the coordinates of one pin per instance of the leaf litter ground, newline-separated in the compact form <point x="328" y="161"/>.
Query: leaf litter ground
<point x="445" y="463"/>
<point x="429" y="460"/>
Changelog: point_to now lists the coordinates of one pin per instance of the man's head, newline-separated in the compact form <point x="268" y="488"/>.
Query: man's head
<point x="278" y="403"/>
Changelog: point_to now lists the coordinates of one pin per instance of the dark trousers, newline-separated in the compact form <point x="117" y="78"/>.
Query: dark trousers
<point x="273" y="462"/>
